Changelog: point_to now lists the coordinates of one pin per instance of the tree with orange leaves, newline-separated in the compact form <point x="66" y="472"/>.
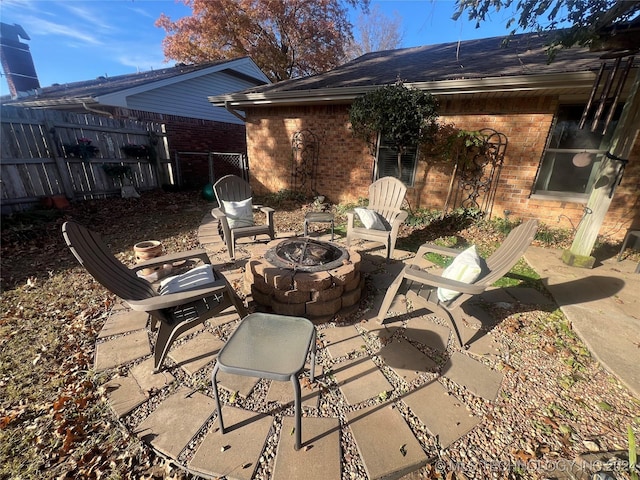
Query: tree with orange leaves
<point x="285" y="38"/>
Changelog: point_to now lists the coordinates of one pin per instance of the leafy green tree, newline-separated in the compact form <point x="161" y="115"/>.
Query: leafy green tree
<point x="582" y="21"/>
<point x="405" y="116"/>
<point x="285" y="38"/>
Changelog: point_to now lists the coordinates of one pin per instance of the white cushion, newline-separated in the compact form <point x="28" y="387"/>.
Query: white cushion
<point x="195" y="278"/>
<point x="466" y="267"/>
<point x="370" y="219"/>
<point x="239" y="214"/>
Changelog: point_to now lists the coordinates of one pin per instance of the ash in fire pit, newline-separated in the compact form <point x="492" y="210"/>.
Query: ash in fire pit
<point x="306" y="255"/>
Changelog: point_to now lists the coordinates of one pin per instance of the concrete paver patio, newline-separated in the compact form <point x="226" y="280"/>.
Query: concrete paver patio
<point x="181" y="418"/>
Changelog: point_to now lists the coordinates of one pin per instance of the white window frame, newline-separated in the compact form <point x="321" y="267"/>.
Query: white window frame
<point x="552" y="155"/>
<point x="409" y="173"/>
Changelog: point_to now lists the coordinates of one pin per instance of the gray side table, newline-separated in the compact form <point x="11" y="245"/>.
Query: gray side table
<point x="269" y="346"/>
<point x="318" y="217"/>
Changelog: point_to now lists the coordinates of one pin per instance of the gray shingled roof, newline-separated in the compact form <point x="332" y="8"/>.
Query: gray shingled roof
<point x="106" y="85"/>
<point x="472" y="59"/>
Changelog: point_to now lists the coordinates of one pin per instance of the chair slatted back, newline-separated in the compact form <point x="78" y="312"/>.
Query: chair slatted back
<point x="231" y="188"/>
<point x="386" y="196"/>
<point x="92" y="253"/>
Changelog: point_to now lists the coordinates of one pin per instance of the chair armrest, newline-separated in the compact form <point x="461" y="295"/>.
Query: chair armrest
<point x="399" y="217"/>
<point x="266" y="210"/>
<point x="418" y="275"/>
<point x="350" y="215"/>
<point x="432" y="248"/>
<point x="218" y="213"/>
<point x="172" y="257"/>
<point x="179" y="298"/>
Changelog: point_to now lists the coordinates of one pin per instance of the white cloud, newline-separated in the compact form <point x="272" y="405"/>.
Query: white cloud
<point x="40" y="27"/>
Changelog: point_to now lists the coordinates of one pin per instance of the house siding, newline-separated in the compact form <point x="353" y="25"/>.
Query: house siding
<point x="189" y="98"/>
<point x="345" y="166"/>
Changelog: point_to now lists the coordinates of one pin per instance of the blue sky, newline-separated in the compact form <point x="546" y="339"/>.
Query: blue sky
<point x="73" y="40"/>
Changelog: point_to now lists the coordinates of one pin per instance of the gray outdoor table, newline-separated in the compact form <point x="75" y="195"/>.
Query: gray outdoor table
<point x="269" y="346"/>
<point x="318" y="217"/>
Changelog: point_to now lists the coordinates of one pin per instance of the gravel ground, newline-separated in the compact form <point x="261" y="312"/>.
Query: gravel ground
<point x="556" y="402"/>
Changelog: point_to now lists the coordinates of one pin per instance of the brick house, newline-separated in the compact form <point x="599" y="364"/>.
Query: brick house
<point x="479" y="84"/>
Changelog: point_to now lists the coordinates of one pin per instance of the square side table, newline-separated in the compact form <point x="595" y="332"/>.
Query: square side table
<point x="318" y="217"/>
<point x="269" y="346"/>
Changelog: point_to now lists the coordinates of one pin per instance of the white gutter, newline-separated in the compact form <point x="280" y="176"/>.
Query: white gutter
<point x="522" y="83"/>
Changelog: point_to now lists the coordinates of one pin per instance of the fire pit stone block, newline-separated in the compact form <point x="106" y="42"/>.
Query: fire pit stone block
<point x="354" y="283"/>
<point x="309" y="281"/>
<point x="260" y="297"/>
<point x="262" y="286"/>
<point x="329" y="294"/>
<point x="292" y="309"/>
<point x="321" y="309"/>
<point x="352" y="297"/>
<point x="291" y="296"/>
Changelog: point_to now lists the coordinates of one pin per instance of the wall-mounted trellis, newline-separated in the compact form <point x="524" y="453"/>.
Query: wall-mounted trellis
<point x="304" y="162"/>
<point x="478" y="179"/>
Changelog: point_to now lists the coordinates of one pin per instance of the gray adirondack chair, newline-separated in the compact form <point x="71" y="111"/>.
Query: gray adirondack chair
<point x="425" y="284"/>
<point x="232" y="188"/>
<point x="177" y="312"/>
<point x="385" y="198"/>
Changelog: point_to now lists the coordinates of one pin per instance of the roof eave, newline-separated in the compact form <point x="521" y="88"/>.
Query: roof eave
<point x="58" y="102"/>
<point x="521" y="83"/>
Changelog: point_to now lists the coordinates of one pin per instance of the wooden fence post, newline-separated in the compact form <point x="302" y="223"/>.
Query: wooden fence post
<point x="61" y="163"/>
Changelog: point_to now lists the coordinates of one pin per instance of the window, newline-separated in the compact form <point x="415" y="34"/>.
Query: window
<point x="387" y="162"/>
<point x="572" y="157"/>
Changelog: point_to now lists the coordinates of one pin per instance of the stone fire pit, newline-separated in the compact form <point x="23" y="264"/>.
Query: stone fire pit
<point x="304" y="277"/>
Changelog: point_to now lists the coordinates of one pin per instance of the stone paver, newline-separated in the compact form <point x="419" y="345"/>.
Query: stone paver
<point x="282" y="392"/>
<point x="383" y="332"/>
<point x="227" y="316"/>
<point x="529" y="296"/>
<point x="124" y="395"/>
<point x="428" y="333"/>
<point x="386" y="444"/>
<point x="341" y="341"/>
<point x="388" y="447"/>
<point x="235" y="454"/>
<point x="123" y="321"/>
<point x="236" y="383"/>
<point x="495" y="295"/>
<point x="473" y="375"/>
<point x="176" y="421"/>
<point x="121" y="350"/>
<point x="318" y="459"/>
<point x="443" y="414"/>
<point x="406" y="360"/>
<point x="196" y="353"/>
<point x="360" y="379"/>
<point x="399" y="306"/>
<point x="148" y="379"/>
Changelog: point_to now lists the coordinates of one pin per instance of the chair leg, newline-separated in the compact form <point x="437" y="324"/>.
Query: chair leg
<point x="166" y="336"/>
<point x="389" y="296"/>
<point x="452" y="318"/>
<point x="298" y="410"/>
<point x="214" y="384"/>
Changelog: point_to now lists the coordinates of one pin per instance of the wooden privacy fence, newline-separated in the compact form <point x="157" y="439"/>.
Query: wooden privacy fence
<point x="46" y="153"/>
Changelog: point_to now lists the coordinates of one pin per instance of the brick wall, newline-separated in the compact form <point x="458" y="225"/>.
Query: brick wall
<point x="186" y="134"/>
<point x="345" y="166"/>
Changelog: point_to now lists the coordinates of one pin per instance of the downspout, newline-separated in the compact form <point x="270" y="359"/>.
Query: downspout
<point x="95" y="110"/>
<point x="233" y="112"/>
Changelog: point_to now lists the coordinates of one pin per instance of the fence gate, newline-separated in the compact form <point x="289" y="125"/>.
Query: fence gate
<point x="195" y="169"/>
<point x="304" y="162"/>
<point x="478" y="179"/>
